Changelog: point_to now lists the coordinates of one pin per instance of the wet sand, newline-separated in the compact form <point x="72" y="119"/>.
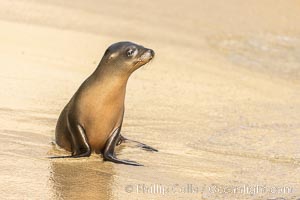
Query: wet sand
<point x="221" y="100"/>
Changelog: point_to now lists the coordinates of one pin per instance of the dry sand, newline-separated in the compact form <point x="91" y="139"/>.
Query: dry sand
<point x="221" y="100"/>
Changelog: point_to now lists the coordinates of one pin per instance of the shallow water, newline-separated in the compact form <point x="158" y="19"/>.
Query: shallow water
<point x="220" y="101"/>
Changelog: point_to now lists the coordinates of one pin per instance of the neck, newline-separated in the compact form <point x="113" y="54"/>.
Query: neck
<point x="107" y="76"/>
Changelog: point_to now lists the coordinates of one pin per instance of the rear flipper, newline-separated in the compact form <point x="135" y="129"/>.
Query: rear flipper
<point x="139" y="144"/>
<point x="109" y="150"/>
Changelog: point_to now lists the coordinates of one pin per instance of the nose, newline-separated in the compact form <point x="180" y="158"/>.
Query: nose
<point x="152" y="53"/>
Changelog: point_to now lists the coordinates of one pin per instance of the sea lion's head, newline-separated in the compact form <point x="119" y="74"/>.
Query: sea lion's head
<point x="126" y="57"/>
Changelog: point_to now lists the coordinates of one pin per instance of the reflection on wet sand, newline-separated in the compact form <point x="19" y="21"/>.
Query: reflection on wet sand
<point x="78" y="180"/>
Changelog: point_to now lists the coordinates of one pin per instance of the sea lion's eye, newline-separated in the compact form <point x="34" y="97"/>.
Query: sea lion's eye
<point x="130" y="52"/>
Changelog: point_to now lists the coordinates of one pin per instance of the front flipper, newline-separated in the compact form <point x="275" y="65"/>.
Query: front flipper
<point x="79" y="141"/>
<point x="109" y="150"/>
<point x="139" y="144"/>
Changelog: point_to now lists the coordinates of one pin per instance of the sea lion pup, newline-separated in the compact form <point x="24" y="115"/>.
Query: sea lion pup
<point x="92" y="119"/>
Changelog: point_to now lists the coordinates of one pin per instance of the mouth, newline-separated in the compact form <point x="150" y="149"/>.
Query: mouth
<point x="146" y="57"/>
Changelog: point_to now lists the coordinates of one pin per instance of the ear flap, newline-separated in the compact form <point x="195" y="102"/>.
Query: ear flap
<point x="108" y="54"/>
<point x="113" y="55"/>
